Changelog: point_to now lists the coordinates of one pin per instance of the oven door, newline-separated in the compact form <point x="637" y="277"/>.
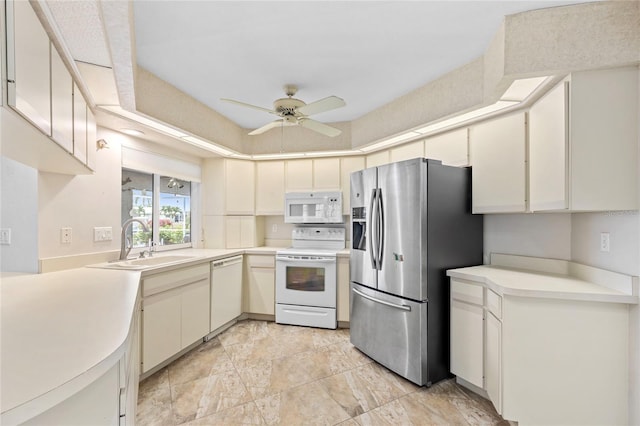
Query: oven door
<point x="306" y="280"/>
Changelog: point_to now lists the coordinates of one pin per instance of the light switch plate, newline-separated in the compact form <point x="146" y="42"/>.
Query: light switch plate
<point x="5" y="236"/>
<point x="102" y="233"/>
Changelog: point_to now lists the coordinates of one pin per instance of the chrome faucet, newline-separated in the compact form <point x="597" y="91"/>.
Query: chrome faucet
<point x="125" y="244"/>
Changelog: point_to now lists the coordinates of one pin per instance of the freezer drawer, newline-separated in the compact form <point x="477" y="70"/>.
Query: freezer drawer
<point x="391" y="330"/>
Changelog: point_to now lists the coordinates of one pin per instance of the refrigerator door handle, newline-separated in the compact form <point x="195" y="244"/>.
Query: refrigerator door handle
<point x="370" y="225"/>
<point x="382" y="302"/>
<point x="380" y="229"/>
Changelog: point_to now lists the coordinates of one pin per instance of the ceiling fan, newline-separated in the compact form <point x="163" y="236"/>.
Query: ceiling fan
<point x="295" y="112"/>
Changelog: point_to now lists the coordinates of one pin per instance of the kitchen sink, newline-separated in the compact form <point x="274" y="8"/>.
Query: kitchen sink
<point x="144" y="263"/>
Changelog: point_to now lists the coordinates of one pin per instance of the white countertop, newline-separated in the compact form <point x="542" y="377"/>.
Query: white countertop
<point x="58" y="331"/>
<point x="527" y="283"/>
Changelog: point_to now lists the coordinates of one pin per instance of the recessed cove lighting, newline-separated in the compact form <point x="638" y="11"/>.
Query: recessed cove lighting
<point x="132" y="132"/>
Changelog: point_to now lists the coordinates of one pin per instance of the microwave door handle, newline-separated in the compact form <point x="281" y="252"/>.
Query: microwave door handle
<point x="370" y="226"/>
<point x="380" y="229"/>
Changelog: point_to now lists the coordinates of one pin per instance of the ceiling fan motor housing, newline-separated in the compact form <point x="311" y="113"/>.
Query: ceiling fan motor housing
<point x="286" y="107"/>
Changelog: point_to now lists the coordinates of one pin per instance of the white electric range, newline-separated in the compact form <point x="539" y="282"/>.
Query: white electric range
<point x="306" y="279"/>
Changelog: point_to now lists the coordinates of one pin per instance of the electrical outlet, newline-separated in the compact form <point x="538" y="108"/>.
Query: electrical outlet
<point x="605" y="242"/>
<point x="65" y="235"/>
<point x="274" y="228"/>
<point x="5" y="236"/>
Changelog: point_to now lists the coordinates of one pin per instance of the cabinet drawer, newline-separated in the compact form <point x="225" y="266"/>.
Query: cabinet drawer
<point x="173" y="279"/>
<point x="494" y="303"/>
<point x="258" y="261"/>
<point x="466" y="292"/>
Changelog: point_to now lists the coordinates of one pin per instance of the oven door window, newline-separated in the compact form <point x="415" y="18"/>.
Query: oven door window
<point x="305" y="278"/>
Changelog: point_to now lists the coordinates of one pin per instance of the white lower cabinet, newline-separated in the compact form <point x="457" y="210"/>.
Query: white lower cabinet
<point x="467" y="332"/>
<point x="175" y="312"/>
<point x="493" y="360"/>
<point x="539" y="360"/>
<point x="261" y="290"/>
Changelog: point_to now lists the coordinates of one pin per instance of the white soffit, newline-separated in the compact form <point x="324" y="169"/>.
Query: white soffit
<point x="81" y="27"/>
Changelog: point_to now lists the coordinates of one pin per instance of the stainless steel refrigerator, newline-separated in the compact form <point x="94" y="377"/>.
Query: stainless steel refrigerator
<point x="410" y="222"/>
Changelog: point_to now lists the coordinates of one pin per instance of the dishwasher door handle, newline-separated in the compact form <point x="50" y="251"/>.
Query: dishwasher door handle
<point x="382" y="302"/>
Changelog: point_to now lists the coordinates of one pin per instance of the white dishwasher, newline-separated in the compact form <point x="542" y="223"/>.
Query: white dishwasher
<point x="226" y="291"/>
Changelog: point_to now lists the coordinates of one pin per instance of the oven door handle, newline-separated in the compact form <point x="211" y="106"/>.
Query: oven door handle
<point x="382" y="302"/>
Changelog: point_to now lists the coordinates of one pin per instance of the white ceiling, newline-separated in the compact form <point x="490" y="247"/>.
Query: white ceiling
<point x="368" y="53"/>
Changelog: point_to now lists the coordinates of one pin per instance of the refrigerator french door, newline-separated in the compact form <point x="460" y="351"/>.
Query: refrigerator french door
<point x="410" y="222"/>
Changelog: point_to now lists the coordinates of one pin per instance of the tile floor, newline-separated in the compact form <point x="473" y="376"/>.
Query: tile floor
<point x="260" y="372"/>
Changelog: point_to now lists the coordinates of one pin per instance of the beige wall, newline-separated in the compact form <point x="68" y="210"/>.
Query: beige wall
<point x="81" y="203"/>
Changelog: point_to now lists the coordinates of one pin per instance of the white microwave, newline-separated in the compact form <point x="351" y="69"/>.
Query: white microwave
<point x="313" y="207"/>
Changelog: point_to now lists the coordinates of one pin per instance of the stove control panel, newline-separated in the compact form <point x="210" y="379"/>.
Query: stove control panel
<point x="318" y="234"/>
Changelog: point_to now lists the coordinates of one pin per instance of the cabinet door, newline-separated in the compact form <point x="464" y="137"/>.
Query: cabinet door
<point x="239" y="187"/>
<point x="262" y="290"/>
<point x="79" y="125"/>
<point x="194" y="312"/>
<point x="299" y="175"/>
<point x="498" y="159"/>
<point x="161" y="328"/>
<point x="466" y="342"/>
<point x="378" y="159"/>
<point x="451" y="148"/>
<point x="240" y="231"/>
<point x="493" y="361"/>
<point x="548" y="151"/>
<point x="232" y="231"/>
<point x="61" y="102"/>
<point x="348" y="165"/>
<point x="270" y="187"/>
<point x="29" y="67"/>
<point x="407" y="151"/>
<point x="92" y="137"/>
<point x="343" y="289"/>
<point x="326" y="173"/>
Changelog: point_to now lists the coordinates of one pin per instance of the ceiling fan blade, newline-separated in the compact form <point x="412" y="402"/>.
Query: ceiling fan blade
<point x="319" y="127"/>
<point x="266" y="127"/>
<point x="326" y="104"/>
<point x="231" y="101"/>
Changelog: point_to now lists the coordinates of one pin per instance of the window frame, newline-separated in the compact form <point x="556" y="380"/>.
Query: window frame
<point x="155" y="215"/>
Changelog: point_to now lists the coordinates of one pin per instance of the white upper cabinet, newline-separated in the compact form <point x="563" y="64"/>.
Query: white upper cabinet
<point x="79" y="125"/>
<point x="499" y="165"/>
<point x="348" y="165"/>
<point x="228" y="187"/>
<point x="378" y="158"/>
<point x="583" y="143"/>
<point x="326" y="173"/>
<point x="548" y="150"/>
<point x="299" y="175"/>
<point x="92" y="137"/>
<point x="407" y="151"/>
<point x="451" y="148"/>
<point x="41" y="90"/>
<point x="28" y="65"/>
<point x="270" y="187"/>
<point x="61" y="102"/>
<point x="239" y="187"/>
